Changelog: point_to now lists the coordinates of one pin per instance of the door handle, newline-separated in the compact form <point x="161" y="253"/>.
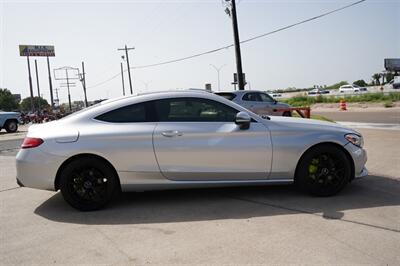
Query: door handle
<point x="172" y="133"/>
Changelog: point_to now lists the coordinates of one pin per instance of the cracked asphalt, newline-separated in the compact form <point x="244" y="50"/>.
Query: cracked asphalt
<point x="257" y="225"/>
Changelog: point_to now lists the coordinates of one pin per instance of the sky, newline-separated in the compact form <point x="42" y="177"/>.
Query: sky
<point x="348" y="45"/>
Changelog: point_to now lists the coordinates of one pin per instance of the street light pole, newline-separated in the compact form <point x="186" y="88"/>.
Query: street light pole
<point x="126" y="49"/>
<point x="218" y="69"/>
<point x="237" y="45"/>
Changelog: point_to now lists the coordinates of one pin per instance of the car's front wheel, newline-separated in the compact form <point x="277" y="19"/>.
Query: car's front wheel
<point x="88" y="183"/>
<point x="323" y="170"/>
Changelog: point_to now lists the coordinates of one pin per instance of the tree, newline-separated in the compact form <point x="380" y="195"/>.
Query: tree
<point x="376" y="78"/>
<point x="360" y="83"/>
<point x="25" y="105"/>
<point x="337" y="85"/>
<point x="7" y="101"/>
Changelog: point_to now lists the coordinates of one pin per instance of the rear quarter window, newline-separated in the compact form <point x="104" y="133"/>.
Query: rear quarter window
<point x="128" y="114"/>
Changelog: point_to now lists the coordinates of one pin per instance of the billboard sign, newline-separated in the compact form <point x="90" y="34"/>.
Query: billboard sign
<point x="36" y="50"/>
<point x="392" y="64"/>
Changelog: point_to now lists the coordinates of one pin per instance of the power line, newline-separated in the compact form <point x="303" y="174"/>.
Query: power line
<point x="231" y="45"/>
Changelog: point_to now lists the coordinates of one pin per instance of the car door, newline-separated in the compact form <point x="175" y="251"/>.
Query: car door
<point x="255" y="103"/>
<point x="269" y="105"/>
<point x="197" y="139"/>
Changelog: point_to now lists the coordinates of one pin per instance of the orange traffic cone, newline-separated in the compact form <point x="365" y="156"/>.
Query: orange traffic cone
<point x="342" y="105"/>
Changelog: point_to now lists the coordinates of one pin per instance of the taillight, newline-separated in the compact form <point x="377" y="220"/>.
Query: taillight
<point x="31" y="143"/>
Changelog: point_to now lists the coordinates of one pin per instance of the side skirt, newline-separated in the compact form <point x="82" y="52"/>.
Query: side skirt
<point x="155" y="181"/>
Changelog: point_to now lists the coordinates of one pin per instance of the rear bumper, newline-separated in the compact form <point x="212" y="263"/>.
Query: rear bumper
<point x="37" y="169"/>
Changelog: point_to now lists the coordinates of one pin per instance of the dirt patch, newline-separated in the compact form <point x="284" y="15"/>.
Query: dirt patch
<point x="357" y="107"/>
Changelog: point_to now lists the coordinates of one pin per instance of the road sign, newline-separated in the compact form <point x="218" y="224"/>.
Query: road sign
<point x="36" y="50"/>
<point x="392" y="64"/>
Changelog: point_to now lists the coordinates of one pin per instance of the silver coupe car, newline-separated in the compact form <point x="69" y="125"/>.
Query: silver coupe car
<point x="183" y="139"/>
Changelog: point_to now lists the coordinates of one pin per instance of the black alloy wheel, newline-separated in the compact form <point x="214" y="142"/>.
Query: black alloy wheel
<point x="88" y="184"/>
<point x="324" y="170"/>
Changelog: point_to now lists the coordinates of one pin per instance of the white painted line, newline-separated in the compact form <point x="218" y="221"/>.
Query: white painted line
<point x="370" y="125"/>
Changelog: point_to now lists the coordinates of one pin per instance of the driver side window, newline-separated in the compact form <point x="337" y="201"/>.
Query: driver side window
<point x="193" y="110"/>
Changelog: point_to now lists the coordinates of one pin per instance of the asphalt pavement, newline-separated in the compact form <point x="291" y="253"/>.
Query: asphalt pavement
<point x="386" y="116"/>
<point x="261" y="225"/>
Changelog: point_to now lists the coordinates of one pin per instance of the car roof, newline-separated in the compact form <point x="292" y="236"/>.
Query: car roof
<point x="112" y="104"/>
<point x="239" y="91"/>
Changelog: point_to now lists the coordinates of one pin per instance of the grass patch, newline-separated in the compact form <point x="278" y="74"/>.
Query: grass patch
<point x="388" y="104"/>
<point x="367" y="97"/>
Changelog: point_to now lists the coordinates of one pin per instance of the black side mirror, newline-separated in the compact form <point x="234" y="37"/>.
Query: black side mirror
<point x="243" y="119"/>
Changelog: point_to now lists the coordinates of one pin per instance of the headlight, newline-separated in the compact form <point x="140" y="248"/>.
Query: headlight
<point x="355" y="139"/>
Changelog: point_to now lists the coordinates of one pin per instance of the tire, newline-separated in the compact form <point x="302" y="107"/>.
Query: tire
<point x="88" y="184"/>
<point x="323" y="171"/>
<point x="11" y="126"/>
<point x="287" y="113"/>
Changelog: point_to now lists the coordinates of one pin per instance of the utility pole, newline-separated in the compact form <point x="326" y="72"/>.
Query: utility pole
<point x="69" y="94"/>
<point x="126" y="49"/>
<point x="83" y="80"/>
<point x="218" y="69"/>
<point x="30" y="84"/>
<point x="50" y="84"/>
<point x="123" y="82"/>
<point x="237" y="44"/>
<point x="64" y="74"/>
<point x="37" y="84"/>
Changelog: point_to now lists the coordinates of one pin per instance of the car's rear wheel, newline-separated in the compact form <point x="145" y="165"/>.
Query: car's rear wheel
<point x="88" y="184"/>
<point x="323" y="171"/>
<point x="287" y="113"/>
<point x="11" y="126"/>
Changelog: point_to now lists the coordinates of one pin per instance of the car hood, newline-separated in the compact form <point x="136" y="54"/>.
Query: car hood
<point x="304" y="123"/>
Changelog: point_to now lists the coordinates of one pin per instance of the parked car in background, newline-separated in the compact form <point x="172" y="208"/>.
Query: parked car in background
<point x="257" y="101"/>
<point x="351" y="88"/>
<point x="274" y="95"/>
<point x="9" y="121"/>
<point x="317" y="92"/>
<point x="183" y="139"/>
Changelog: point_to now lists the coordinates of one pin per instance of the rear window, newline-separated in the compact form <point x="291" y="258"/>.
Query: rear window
<point x="226" y="95"/>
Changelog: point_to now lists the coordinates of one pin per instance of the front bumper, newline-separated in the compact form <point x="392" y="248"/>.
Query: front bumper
<point x="359" y="156"/>
<point x="364" y="172"/>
